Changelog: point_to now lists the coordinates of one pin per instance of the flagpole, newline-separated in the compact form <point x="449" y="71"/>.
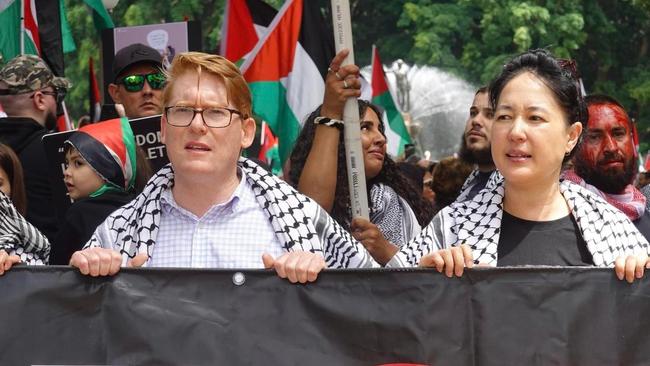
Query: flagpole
<point x="68" y="123"/>
<point x="22" y="27"/>
<point x="352" y="130"/>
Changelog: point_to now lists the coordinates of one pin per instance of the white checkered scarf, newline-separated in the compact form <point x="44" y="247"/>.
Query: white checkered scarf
<point x="299" y="223"/>
<point x="607" y="232"/>
<point x="19" y="237"/>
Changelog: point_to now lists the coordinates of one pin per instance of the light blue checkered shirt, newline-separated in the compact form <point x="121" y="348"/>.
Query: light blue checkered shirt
<point x="233" y="234"/>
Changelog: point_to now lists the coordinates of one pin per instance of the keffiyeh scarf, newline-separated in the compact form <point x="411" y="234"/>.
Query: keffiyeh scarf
<point x="632" y="202"/>
<point x="299" y="223"/>
<point x="393" y="215"/>
<point x="477" y="223"/>
<point x="19" y="237"/>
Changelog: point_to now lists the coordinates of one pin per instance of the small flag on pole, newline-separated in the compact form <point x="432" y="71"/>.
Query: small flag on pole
<point x="396" y="133"/>
<point x="244" y="23"/>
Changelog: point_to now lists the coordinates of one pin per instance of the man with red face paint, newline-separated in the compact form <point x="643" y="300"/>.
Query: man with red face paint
<point x="607" y="160"/>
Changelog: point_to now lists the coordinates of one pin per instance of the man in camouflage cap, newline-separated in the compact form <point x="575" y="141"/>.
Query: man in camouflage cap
<point x="29" y="95"/>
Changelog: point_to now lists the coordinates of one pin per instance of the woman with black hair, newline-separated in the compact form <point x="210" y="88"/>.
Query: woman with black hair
<point x="318" y="167"/>
<point x="529" y="216"/>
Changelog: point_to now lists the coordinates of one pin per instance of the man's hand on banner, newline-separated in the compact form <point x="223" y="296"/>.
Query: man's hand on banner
<point x="631" y="267"/>
<point x="102" y="262"/>
<point x="453" y="260"/>
<point x="373" y="240"/>
<point x="297" y="266"/>
<point x="6" y="261"/>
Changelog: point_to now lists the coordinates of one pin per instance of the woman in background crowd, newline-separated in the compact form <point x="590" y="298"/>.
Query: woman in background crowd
<point x="319" y="170"/>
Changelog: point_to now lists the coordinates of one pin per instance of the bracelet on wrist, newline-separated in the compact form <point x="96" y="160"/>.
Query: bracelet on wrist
<point x="329" y="122"/>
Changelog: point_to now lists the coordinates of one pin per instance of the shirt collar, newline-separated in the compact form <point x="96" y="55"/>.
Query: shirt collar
<point x="169" y="205"/>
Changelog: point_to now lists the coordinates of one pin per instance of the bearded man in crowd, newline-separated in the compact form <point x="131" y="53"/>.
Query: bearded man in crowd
<point x="607" y="160"/>
<point x="475" y="145"/>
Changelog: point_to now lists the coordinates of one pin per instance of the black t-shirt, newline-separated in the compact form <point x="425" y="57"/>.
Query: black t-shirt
<point x="643" y="224"/>
<point x="549" y="243"/>
<point x="80" y="222"/>
<point x="480" y="183"/>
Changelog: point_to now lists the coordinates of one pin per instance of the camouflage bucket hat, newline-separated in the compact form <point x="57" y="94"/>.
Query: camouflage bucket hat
<point x="28" y="73"/>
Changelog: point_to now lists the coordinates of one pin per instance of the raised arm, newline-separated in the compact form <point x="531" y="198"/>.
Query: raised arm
<point x="318" y="177"/>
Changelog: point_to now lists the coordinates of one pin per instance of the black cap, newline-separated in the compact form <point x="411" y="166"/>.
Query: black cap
<point x="134" y="54"/>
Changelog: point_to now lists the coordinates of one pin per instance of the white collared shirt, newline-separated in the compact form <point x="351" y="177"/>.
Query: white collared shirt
<point x="233" y="234"/>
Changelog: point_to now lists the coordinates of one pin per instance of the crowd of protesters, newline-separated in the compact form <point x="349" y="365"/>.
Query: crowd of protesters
<point x="545" y="176"/>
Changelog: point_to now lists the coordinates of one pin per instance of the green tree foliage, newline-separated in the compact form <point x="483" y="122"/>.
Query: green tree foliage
<point x="471" y="38"/>
<point x="474" y="38"/>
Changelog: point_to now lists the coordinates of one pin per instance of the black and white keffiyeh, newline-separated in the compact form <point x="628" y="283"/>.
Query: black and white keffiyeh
<point x="393" y="215"/>
<point x="607" y="232"/>
<point x="19" y="237"/>
<point x="299" y="223"/>
<point x="472" y="180"/>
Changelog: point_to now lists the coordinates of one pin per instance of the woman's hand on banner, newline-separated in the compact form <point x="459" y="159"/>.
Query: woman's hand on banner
<point x="453" y="260"/>
<point x="631" y="267"/>
<point x="373" y="240"/>
<point x="296" y="266"/>
<point x="7" y="261"/>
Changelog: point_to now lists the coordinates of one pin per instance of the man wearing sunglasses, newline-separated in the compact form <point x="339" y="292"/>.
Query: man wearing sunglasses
<point x="138" y="81"/>
<point x="29" y="94"/>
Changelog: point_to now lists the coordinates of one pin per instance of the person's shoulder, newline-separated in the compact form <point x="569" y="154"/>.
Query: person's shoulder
<point x="572" y="189"/>
<point x="643" y="224"/>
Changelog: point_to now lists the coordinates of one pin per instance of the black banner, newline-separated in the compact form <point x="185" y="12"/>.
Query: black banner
<point x="525" y="316"/>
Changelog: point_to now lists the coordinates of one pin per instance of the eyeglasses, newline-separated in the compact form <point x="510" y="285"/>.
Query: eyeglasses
<point x="216" y="117"/>
<point x="135" y="83"/>
<point x="58" y="94"/>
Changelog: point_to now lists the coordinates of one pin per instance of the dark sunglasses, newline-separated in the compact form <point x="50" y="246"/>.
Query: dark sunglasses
<point x="135" y="83"/>
<point x="58" y="94"/>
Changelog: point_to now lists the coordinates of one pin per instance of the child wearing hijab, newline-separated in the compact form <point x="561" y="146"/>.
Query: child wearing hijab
<point x="100" y="177"/>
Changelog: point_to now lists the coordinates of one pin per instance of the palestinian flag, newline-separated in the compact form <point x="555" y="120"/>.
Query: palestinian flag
<point x="63" y="122"/>
<point x="244" y="23"/>
<point x="66" y="33"/>
<point x="269" y="149"/>
<point x="286" y="69"/>
<point x="48" y="15"/>
<point x="94" y="100"/>
<point x="109" y="148"/>
<point x="101" y="18"/>
<point x="10" y="11"/>
<point x="43" y="35"/>
<point x="396" y="133"/>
